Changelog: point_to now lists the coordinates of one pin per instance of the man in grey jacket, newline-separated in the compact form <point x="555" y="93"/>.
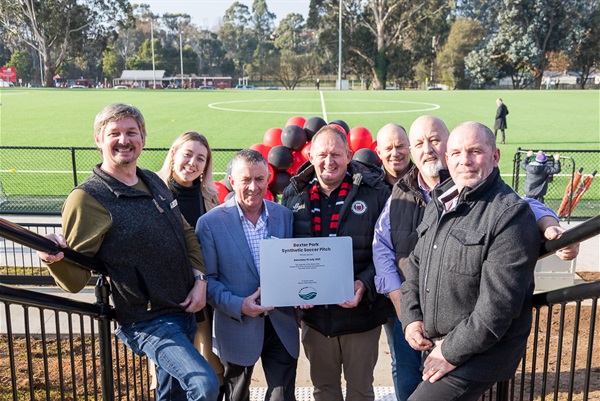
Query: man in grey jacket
<point x="467" y="298"/>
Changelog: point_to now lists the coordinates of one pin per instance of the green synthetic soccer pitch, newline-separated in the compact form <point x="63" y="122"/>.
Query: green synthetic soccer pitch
<point x="237" y="119"/>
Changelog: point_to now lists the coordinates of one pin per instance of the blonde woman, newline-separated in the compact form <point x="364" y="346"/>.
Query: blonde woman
<point x="187" y="171"/>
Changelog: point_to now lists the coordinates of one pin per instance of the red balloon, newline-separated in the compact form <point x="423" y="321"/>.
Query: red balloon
<point x="269" y="196"/>
<point x="222" y="191"/>
<point x="339" y="127"/>
<point x="360" y="137"/>
<point x="297" y="120"/>
<point x="271" y="174"/>
<point x="272" y="137"/>
<point x="298" y="161"/>
<point x="306" y="151"/>
<point x="263" y="149"/>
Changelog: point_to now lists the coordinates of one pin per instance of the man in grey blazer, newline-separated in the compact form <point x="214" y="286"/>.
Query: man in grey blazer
<point x="244" y="330"/>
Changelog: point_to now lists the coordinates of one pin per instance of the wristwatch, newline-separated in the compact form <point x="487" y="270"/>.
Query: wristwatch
<point x="201" y="277"/>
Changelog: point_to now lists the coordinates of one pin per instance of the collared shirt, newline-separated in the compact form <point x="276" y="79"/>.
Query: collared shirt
<point x="449" y="199"/>
<point x="254" y="233"/>
<point x="424" y="189"/>
<point x="387" y="278"/>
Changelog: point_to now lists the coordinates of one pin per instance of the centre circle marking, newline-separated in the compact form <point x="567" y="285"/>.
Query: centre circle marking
<point x="218" y="106"/>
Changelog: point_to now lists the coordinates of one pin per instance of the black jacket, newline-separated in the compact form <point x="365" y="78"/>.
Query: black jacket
<point x="357" y="220"/>
<point x="536" y="179"/>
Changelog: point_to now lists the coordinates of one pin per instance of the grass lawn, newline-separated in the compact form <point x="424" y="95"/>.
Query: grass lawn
<point x="547" y="120"/>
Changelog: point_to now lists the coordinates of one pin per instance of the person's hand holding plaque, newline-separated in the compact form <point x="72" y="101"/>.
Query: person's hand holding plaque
<point x="251" y="305"/>
<point x="359" y="290"/>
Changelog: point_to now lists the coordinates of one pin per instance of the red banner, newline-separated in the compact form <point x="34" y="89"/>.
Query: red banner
<point x="8" y="74"/>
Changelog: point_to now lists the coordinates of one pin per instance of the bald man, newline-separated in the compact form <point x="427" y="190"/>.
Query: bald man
<point x="396" y="234"/>
<point x="393" y="150"/>
<point x="467" y="295"/>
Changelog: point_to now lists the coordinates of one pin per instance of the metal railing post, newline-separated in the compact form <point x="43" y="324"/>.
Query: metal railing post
<point x="102" y="291"/>
<point x="74" y="167"/>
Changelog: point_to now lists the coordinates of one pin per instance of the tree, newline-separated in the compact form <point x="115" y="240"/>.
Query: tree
<point x="288" y="35"/>
<point x="389" y="23"/>
<point x="263" y="27"/>
<point x="22" y="61"/>
<point x="236" y="37"/>
<point x="465" y="35"/>
<point x="480" y="68"/>
<point x="289" y="68"/>
<point x="528" y="30"/>
<point x="110" y="63"/>
<point x="59" y="29"/>
<point x="586" y="50"/>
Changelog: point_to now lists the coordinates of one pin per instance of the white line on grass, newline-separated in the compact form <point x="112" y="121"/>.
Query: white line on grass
<point x="217" y="106"/>
<point x="323" y="106"/>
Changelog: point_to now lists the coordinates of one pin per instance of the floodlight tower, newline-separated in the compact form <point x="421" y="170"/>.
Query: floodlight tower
<point x="340" y="48"/>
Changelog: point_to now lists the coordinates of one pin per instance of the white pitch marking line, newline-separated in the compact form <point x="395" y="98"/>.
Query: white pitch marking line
<point x="323" y="106"/>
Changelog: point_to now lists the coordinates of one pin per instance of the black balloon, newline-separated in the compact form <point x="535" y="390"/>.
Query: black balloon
<point x="342" y="124"/>
<point x="282" y="180"/>
<point x="365" y="155"/>
<point x="312" y="126"/>
<point x="293" y="137"/>
<point x="281" y="157"/>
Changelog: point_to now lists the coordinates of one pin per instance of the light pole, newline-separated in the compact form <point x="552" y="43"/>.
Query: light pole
<point x="433" y="51"/>
<point x="181" y="58"/>
<point x="152" y="43"/>
<point x="340" y="48"/>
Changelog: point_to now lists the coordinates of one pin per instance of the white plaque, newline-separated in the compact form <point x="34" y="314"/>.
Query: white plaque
<point x="306" y="271"/>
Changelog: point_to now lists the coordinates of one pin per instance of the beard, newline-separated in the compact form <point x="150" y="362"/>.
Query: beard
<point x="432" y="169"/>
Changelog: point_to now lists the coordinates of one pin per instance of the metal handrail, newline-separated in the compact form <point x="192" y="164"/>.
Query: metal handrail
<point x="30" y="239"/>
<point x="586" y="230"/>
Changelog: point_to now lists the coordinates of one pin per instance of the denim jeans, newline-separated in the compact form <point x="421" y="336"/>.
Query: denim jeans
<point x="182" y="373"/>
<point x="389" y="334"/>
<point x="408" y="365"/>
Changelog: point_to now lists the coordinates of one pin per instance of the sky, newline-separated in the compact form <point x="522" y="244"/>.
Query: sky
<point x="208" y="13"/>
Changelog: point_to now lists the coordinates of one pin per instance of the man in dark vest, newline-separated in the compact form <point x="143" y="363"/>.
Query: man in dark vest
<point x="126" y="217"/>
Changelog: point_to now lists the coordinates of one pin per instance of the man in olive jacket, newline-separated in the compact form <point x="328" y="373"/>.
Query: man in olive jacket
<point x="334" y="196"/>
<point x="467" y="297"/>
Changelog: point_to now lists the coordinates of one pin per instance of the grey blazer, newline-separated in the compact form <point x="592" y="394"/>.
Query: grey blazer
<point x="232" y="276"/>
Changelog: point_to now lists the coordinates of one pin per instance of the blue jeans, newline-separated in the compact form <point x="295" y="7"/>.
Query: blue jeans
<point x="389" y="328"/>
<point x="408" y="364"/>
<point x="182" y="373"/>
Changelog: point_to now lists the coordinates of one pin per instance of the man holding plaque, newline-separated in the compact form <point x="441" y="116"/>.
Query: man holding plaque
<point x="335" y="196"/>
<point x="245" y="330"/>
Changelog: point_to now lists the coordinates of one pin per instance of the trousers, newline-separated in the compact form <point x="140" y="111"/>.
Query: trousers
<point x="182" y="373"/>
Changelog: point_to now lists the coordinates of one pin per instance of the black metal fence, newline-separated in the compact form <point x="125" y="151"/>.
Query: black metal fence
<point x="61" y="348"/>
<point x="37" y="180"/>
<point x="559" y="198"/>
<point x="51" y="348"/>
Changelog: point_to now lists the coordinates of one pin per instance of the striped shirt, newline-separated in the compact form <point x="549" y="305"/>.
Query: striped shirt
<point x="254" y="233"/>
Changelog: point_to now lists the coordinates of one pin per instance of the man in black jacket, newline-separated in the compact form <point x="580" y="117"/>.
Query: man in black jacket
<point x="500" y="123"/>
<point x="334" y="196"/>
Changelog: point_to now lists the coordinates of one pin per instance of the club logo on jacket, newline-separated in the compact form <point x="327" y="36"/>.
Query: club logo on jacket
<point x="359" y="207"/>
